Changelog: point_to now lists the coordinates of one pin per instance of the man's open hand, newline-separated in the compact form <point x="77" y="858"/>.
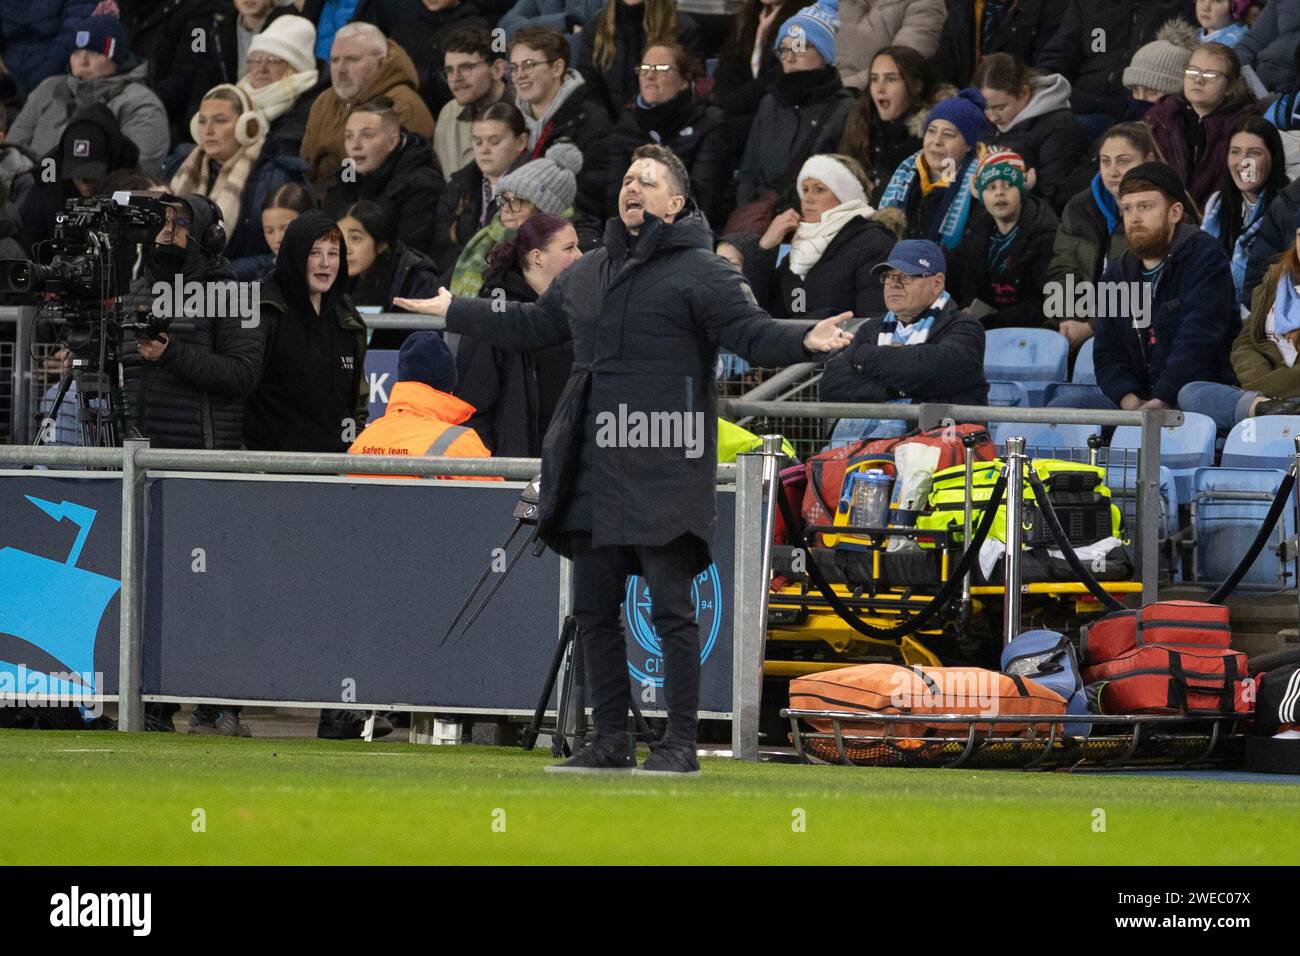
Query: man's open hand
<point x="827" y="335"/>
<point x="435" y="306"/>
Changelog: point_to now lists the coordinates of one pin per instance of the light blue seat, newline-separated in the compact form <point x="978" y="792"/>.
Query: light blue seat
<point x="1226" y="524"/>
<point x="1072" y="395"/>
<point x="1182" y="450"/>
<point x="850" y="431"/>
<point x="1032" y="357"/>
<point x="1085" y="373"/>
<point x="1008" y="395"/>
<point x="1047" y="440"/>
<point x="1121" y="478"/>
<point x="1264" y="442"/>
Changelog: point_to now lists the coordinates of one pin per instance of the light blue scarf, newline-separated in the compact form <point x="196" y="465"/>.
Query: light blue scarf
<point x="893" y="332"/>
<point x="954" y="220"/>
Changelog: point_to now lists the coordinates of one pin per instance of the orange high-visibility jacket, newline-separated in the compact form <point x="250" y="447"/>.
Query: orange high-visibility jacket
<point x="421" y="420"/>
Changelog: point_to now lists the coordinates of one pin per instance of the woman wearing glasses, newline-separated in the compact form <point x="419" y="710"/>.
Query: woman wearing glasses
<point x="548" y="185"/>
<point x="803" y="114"/>
<point x="1194" y="127"/>
<point x="611" y="43"/>
<point x="470" y="200"/>
<point x="667" y="112"/>
<point x="282" y="80"/>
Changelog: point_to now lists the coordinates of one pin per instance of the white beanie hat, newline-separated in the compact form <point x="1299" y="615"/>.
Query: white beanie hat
<point x="292" y="39"/>
<point x="834" y="174"/>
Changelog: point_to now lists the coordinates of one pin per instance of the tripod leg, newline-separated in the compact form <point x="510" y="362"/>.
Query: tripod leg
<point x="539" y="714"/>
<point x="559" y="745"/>
<point x="496" y="585"/>
<point x="642" y="725"/>
<point x="477" y="585"/>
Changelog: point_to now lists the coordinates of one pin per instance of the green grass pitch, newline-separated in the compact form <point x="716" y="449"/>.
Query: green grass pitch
<point x="85" y="798"/>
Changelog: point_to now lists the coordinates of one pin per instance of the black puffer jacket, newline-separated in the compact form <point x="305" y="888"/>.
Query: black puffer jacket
<point x="647" y="316"/>
<point x="407" y="184"/>
<point x="801" y="116"/>
<point x="697" y="133"/>
<point x="947" y="367"/>
<point x="1014" y="286"/>
<point x="311" y="394"/>
<point x="1098" y="76"/>
<point x="193" y="395"/>
<point x="615" y="86"/>
<point x="514" y="394"/>
<point x="841" y="281"/>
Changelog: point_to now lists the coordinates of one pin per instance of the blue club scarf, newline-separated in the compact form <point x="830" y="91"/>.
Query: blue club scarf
<point x="955" y="208"/>
<point x="1240" y="248"/>
<point x="892" y="332"/>
<point x="1286" y="307"/>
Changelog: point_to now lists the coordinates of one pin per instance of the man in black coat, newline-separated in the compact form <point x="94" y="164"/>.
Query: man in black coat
<point x="647" y="314"/>
<point x="190" y="388"/>
<point x="925" y="349"/>
<point x="391" y="166"/>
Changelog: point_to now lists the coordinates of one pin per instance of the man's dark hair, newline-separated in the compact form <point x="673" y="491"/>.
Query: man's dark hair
<point x="473" y="40"/>
<point x="546" y="40"/>
<point x="384" y="108"/>
<point x="681" y="179"/>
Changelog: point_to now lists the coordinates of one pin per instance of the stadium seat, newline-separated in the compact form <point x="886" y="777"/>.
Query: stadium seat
<point x="848" y="431"/>
<point x="1008" y="395"/>
<point x="1121" y="479"/>
<point x="1264" y="442"/>
<point x="1226" y="524"/>
<point x="1072" y="395"/>
<point x="1182" y="450"/>
<point x="1047" y="440"/>
<point x="1085" y="373"/>
<point x="1033" y="357"/>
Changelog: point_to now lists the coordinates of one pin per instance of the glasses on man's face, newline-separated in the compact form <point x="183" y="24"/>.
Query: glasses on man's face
<point x="1192" y="73"/>
<point x="462" y="69"/>
<point x="526" y="67"/>
<point x="512" y="203"/>
<point x="257" y="62"/>
<point x="645" y="69"/>
<point x="901" y="278"/>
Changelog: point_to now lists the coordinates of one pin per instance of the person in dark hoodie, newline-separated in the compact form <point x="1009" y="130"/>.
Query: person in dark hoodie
<point x="1032" y="115"/>
<point x="612" y="41"/>
<point x="381" y="267"/>
<point x="90" y="149"/>
<point x="514" y="394"/>
<point x="1183" y="329"/>
<point x="803" y="113"/>
<point x="311" y="394"/>
<point x="647" y="313"/>
<point x="393" y="167"/>
<point x="1194" y="127"/>
<point x="667" y="112"/>
<point x="1004" y="254"/>
<point x="189" y="388"/>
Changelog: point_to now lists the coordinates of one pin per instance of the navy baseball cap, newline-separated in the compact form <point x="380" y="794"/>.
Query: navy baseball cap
<point x="914" y="257"/>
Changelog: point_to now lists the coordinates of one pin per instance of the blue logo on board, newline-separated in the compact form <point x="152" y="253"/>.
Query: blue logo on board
<point x="646" y="657"/>
<point x="55" y="607"/>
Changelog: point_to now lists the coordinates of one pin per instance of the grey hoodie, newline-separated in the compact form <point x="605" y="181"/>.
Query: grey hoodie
<point x="572" y="80"/>
<point x="139" y="112"/>
<point x="1050" y="93"/>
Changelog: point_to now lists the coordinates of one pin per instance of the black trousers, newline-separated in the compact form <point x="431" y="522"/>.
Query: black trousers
<point x="599" y="587"/>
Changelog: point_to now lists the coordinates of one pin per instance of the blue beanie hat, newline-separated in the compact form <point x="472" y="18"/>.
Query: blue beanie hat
<point x="817" y="25"/>
<point x="103" y="34"/>
<point x="964" y="111"/>
<point x="425" y="358"/>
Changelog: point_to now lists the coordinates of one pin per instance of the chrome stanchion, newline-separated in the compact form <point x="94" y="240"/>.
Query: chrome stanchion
<point x="1015" y="472"/>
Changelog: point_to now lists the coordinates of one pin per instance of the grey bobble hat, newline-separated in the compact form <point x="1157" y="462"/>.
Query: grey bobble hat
<point x="549" y="183"/>
<point x="1160" y="63"/>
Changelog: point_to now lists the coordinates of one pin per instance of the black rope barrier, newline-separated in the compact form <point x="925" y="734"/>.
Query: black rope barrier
<point x="1256" y="546"/>
<point x="1062" y="540"/>
<point x="941" y="599"/>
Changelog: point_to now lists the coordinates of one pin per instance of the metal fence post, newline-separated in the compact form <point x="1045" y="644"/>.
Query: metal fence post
<point x="748" y="600"/>
<point x="1148" y="506"/>
<point x="130" y="714"/>
<point x="1011" y="555"/>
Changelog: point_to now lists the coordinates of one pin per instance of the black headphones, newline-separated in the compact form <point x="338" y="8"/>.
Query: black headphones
<point x="213" y="240"/>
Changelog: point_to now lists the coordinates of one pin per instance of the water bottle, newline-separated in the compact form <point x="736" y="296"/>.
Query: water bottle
<point x="869" y="498"/>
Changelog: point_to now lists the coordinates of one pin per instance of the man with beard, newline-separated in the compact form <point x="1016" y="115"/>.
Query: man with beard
<point x="647" y="313"/>
<point x="1176" y="318"/>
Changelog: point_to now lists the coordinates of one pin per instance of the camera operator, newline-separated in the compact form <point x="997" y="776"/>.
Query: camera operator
<point x="190" y="388"/>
